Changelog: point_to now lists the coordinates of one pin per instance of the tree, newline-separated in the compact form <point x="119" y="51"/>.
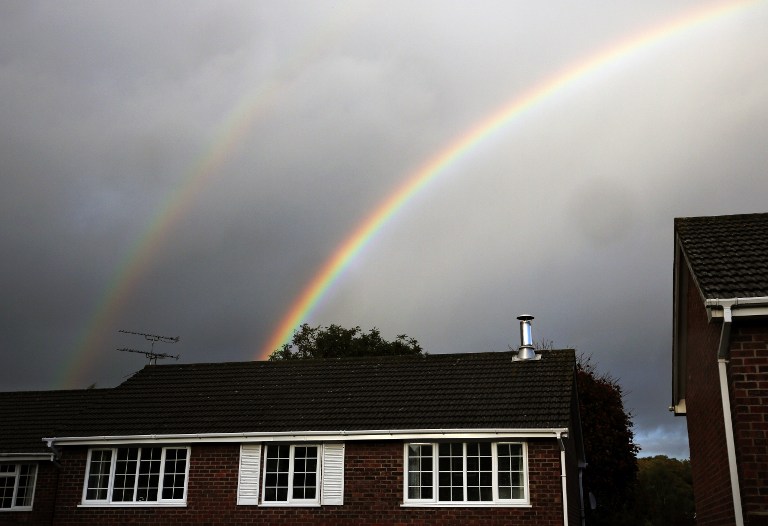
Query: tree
<point x="609" y="447"/>
<point x="665" y="491"/>
<point x="337" y="342"/>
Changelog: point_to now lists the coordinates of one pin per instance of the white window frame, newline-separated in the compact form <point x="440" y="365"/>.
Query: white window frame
<point x="252" y="473"/>
<point x="110" y="487"/>
<point x="16" y="474"/>
<point x="495" y="502"/>
<point x="291" y="457"/>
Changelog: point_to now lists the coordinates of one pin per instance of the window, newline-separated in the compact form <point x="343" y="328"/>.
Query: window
<point x="291" y="474"/>
<point x="466" y="473"/>
<point x="136" y="475"/>
<point x="17" y="486"/>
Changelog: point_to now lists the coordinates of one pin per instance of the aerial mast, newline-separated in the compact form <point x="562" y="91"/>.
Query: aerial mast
<point x="151" y="355"/>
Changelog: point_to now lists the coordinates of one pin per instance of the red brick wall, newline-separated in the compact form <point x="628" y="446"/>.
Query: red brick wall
<point x="43" y="503"/>
<point x="748" y="370"/>
<point x="373" y="493"/>
<point x="706" y="432"/>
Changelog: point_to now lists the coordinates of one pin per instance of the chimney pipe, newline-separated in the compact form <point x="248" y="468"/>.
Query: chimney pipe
<point x="526" y="351"/>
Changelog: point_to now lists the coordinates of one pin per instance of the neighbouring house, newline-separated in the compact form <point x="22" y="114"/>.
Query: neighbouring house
<point x="491" y="438"/>
<point x="720" y="362"/>
<point x="28" y="470"/>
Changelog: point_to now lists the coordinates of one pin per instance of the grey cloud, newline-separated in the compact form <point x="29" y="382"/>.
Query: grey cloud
<point x="113" y="114"/>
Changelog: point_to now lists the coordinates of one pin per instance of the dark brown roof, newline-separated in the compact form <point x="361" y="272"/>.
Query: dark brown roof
<point x="28" y="416"/>
<point x="440" y="391"/>
<point x="728" y="255"/>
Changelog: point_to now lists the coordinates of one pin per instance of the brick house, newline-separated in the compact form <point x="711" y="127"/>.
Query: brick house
<point x="28" y="472"/>
<point x="491" y="438"/>
<point x="720" y="362"/>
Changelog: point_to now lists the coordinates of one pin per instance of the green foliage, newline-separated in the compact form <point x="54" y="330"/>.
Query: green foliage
<point x="655" y="491"/>
<point x="665" y="491"/>
<point x="337" y="342"/>
<point x="609" y="447"/>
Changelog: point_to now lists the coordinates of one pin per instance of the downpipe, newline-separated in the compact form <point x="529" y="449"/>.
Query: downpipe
<point x="725" y="396"/>
<point x="563" y="478"/>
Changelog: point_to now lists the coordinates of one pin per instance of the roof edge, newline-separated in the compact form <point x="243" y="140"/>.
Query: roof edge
<point x="308" y="436"/>
<point x="749" y="306"/>
<point x="26" y="456"/>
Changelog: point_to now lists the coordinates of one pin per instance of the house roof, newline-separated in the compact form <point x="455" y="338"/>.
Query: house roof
<point x="440" y="391"/>
<point x="728" y="255"/>
<point x="28" y="416"/>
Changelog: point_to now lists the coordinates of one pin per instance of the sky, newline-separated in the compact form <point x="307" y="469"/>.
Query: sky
<point x="192" y="169"/>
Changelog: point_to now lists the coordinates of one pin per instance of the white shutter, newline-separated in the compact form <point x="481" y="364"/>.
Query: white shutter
<point x="333" y="474"/>
<point x="250" y="472"/>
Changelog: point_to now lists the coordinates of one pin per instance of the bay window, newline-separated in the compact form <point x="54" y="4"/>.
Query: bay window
<point x="136" y="476"/>
<point x="466" y="473"/>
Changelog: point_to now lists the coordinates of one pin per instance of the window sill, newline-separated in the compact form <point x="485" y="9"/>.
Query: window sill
<point x="289" y="505"/>
<point x="466" y="505"/>
<point x="18" y="508"/>
<point x="133" y="505"/>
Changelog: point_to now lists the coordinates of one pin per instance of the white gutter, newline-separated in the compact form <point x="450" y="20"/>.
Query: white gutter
<point x="753" y="306"/>
<point x="25" y="457"/>
<point x="725" y="396"/>
<point x="563" y="478"/>
<point x="307" y="436"/>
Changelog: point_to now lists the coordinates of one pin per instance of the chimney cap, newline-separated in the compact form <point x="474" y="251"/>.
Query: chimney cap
<point x="526" y="350"/>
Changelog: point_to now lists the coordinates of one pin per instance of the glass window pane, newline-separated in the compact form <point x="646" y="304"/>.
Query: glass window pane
<point x="304" y="472"/>
<point x="420" y="471"/>
<point x="511" y="471"/>
<point x="26" y="484"/>
<point x="479" y="471"/>
<point x="149" y="474"/>
<point x="451" y="472"/>
<point x="174" y="473"/>
<point x="7" y="483"/>
<point x="282" y="494"/>
<point x="98" y="474"/>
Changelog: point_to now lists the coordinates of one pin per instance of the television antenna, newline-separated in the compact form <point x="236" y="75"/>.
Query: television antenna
<point x="151" y="355"/>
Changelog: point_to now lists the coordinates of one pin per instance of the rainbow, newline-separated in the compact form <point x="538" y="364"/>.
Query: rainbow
<point x="228" y="138"/>
<point x="130" y="272"/>
<point x="462" y="147"/>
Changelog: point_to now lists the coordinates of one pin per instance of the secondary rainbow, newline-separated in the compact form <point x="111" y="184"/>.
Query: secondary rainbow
<point x="222" y="146"/>
<point x="128" y="275"/>
<point x="332" y="269"/>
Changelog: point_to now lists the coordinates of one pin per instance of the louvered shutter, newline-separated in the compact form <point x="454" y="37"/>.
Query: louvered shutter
<point x="250" y="471"/>
<point x="333" y="474"/>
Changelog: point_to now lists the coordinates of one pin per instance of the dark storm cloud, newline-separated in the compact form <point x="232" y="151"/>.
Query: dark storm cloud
<point x="111" y="110"/>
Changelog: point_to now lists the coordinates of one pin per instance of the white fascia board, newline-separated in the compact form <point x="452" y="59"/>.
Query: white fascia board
<point x="314" y="436"/>
<point x="25" y="457"/>
<point x="753" y="306"/>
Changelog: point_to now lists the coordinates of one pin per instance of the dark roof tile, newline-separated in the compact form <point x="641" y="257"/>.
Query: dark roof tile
<point x="28" y="416"/>
<point x="728" y="255"/>
<point x="440" y="391"/>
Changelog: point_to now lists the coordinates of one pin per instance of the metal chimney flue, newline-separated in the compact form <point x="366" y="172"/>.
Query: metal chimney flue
<point x="526" y="350"/>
